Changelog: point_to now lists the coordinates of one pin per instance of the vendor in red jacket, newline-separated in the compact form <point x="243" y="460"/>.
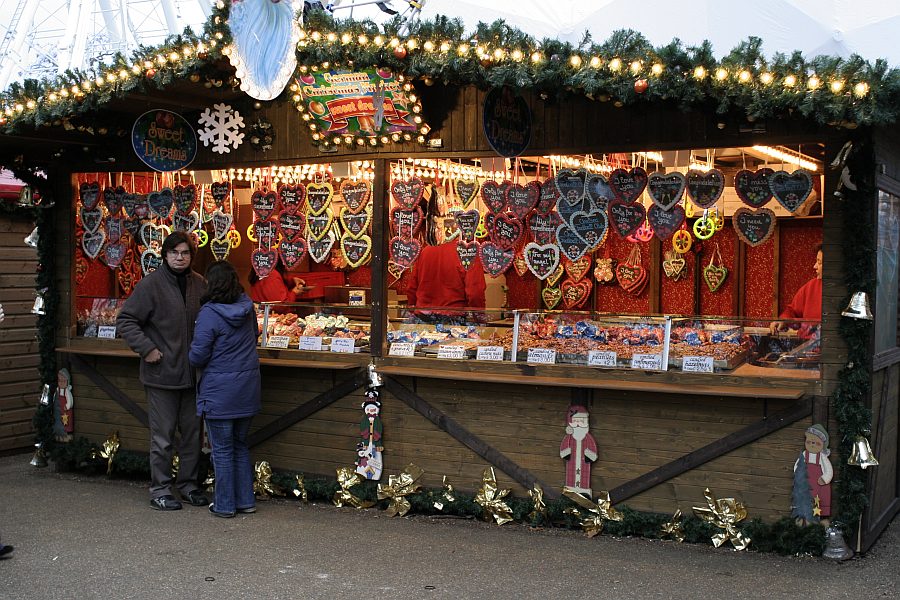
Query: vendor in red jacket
<point x="273" y="287"/>
<point x="806" y="303"/>
<point x="439" y="279"/>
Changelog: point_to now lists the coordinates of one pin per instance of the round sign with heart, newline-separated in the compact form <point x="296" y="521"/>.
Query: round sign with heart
<point x="521" y="199"/>
<point x="407" y="193"/>
<point x="291" y="226"/>
<point x="318" y="225"/>
<point x="575" y="293"/>
<point x="264" y="204"/>
<point x="319" y="250"/>
<point x="185" y="198"/>
<point x="494" y="259"/>
<point x="705" y="187"/>
<point x="466" y="190"/>
<point x="356" y="250"/>
<point x="494" y="195"/>
<point x="467" y="251"/>
<point x="577" y="269"/>
<point x="628" y="185"/>
<point x="548" y="198"/>
<point x="355" y="224"/>
<point x="355" y="195"/>
<point x="791" y="189"/>
<point x="551" y="297"/>
<point x="541" y="259"/>
<point x="591" y="227"/>
<point x="318" y="197"/>
<point x="404" y="252"/>
<point x="752" y="187"/>
<point x="291" y="252"/>
<point x="161" y="202"/>
<point x="89" y="193"/>
<point x="570" y="243"/>
<point x="666" y="189"/>
<point x="291" y="197"/>
<point x="754" y="226"/>
<point x="263" y="262"/>
<point x="406" y="222"/>
<point x="626" y="218"/>
<point x="506" y="230"/>
<point x="571" y="186"/>
<point x="150" y="261"/>
<point x="665" y="222"/>
<point x="92" y="242"/>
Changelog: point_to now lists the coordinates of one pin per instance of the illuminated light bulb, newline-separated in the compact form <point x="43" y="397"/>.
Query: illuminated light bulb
<point x="417" y="119"/>
<point x="463" y="49"/>
<point x="575" y="60"/>
<point x="428" y="46"/>
<point x="499" y="54"/>
<point x="362" y="39"/>
<point x="348" y="139"/>
<point x="378" y="40"/>
<point x="721" y="74"/>
<point x="360" y="141"/>
<point x="331" y="37"/>
<point x="136" y="69"/>
<point x="86" y="86"/>
<point x="615" y="64"/>
<point x="767" y="78"/>
<point x="744" y="76"/>
<point x="790" y="81"/>
<point x="699" y="73"/>
<point x="123" y="74"/>
<point x="813" y="82"/>
<point x="395" y="137"/>
<point x="384" y="139"/>
<point x="52" y="97"/>
<point x="345" y="38"/>
<point x="174" y="57"/>
<point x="296" y="98"/>
<point x="445" y="47"/>
<point x="656" y="69"/>
<point x="161" y="58"/>
<point x="536" y="57"/>
<point x="595" y="62"/>
<point x="407" y="137"/>
<point x="111" y="77"/>
<point x="412" y="44"/>
<point x="480" y="50"/>
<point x="64" y="93"/>
<point x="635" y="66"/>
<point x="30" y="104"/>
<point x="75" y="89"/>
<point x="837" y="85"/>
<point x="412" y="97"/>
<point x="316" y="36"/>
<point x="99" y="81"/>
<point x="861" y="89"/>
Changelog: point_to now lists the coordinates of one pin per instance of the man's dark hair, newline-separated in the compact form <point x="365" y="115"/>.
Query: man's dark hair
<point x="176" y="238"/>
<point x="223" y="286"/>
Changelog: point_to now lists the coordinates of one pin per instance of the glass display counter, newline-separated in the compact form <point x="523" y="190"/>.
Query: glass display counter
<point x="314" y="327"/>
<point x="96" y="317"/>
<point x="457" y="333"/>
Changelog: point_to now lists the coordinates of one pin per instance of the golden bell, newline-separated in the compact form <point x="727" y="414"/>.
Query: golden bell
<point x="862" y="454"/>
<point x="39" y="459"/>
<point x="858" y="307"/>
<point x="835" y="546"/>
<point x="45" y="395"/>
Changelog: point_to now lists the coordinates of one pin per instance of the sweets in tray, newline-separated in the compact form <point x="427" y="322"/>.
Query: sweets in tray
<point x="315" y="325"/>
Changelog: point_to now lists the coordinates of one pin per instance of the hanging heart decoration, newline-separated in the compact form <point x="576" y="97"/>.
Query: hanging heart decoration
<point x="291" y="226"/>
<point x="291" y="197"/>
<point x="185" y="198"/>
<point x="521" y="199"/>
<point x="128" y="262"/>
<point x="577" y="269"/>
<point x="665" y="222"/>
<point x="571" y="186"/>
<point x="91" y="218"/>
<point x="136" y="206"/>
<point x="132" y="225"/>
<point x="626" y="218"/>
<point x="541" y="259"/>
<point x="291" y="252"/>
<point x="507" y="230"/>
<point x="754" y="226"/>
<point x="152" y="235"/>
<point x="575" y="293"/>
<point x="495" y="260"/>
<point x="355" y="195"/>
<point x="355" y="224"/>
<point x="715" y="272"/>
<point x="494" y="195"/>
<point x="221" y="224"/>
<point x="264" y="204"/>
<point x="674" y="266"/>
<point x="317" y="225"/>
<point x="543" y="226"/>
<point x="566" y="210"/>
<point x="407" y="193"/>
<point x="548" y="197"/>
<point x="591" y="227"/>
<point x="263" y="262"/>
<point x="266" y="233"/>
<point x="556" y="275"/>
<point x="628" y="185"/>
<point x="520" y="265"/>
<point x="188" y="222"/>
<point x="319" y="250"/>
<point x="150" y="261"/>
<point x="666" y="189"/>
<point x="791" y="189"/>
<point x="631" y="278"/>
<point x="356" y="250"/>
<point x="115" y="227"/>
<point x="161" y="202"/>
<point x="125" y="279"/>
<point x="407" y="222"/>
<point x="220" y="248"/>
<point x="81" y="266"/>
<point x="467" y="251"/>
<point x="466" y="190"/>
<point x="570" y="243"/>
<point x="467" y="222"/>
<point x="92" y="242"/>
<point x="89" y="193"/>
<point x="752" y="187"/>
<point x="395" y="271"/>
<point x="220" y="190"/>
<point x="599" y="192"/>
<point x="705" y="187"/>
<point x="604" y="270"/>
<point x="551" y="297"/>
<point x="114" y="199"/>
<point x="113" y="254"/>
<point x="318" y="197"/>
<point x="404" y="252"/>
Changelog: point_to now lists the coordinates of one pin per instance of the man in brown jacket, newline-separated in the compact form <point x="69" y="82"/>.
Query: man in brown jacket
<point x="157" y="322"/>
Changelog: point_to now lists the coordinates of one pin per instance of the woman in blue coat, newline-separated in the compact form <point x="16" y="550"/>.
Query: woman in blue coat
<point x="228" y="394"/>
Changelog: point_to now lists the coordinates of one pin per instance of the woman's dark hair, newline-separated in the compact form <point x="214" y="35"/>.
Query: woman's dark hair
<point x="253" y="278"/>
<point x="222" y="283"/>
<point x="178" y="237"/>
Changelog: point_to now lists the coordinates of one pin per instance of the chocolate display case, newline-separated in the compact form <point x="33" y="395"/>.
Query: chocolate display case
<point x="313" y="327"/>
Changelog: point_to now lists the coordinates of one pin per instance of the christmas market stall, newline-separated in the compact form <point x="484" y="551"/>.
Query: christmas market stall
<point x="628" y="280"/>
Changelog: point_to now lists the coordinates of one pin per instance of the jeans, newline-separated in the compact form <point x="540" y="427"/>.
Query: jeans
<point x="231" y="460"/>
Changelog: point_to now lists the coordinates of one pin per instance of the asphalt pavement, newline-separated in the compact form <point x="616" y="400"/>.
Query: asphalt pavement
<point x="91" y="537"/>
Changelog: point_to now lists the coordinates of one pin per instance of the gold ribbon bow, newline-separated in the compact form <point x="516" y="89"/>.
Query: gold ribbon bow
<point x="300" y="490"/>
<point x="347" y="477"/>
<point x="398" y="487"/>
<point x="598" y="513"/>
<point x="724" y="513"/>
<point x="446" y="494"/>
<point x="210" y="482"/>
<point x="263" y="482"/>
<point x="491" y="499"/>
<point x="110" y="447"/>
<point x="674" y="527"/>
<point x="539" y="509"/>
<point x="175" y="462"/>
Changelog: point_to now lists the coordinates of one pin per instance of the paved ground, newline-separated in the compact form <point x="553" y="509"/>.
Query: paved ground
<point x="80" y="537"/>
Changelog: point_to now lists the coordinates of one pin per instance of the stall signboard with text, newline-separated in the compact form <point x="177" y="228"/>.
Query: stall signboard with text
<point x="507" y="121"/>
<point x="163" y="140"/>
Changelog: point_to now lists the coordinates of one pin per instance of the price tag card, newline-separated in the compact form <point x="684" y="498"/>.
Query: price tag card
<point x="697" y="364"/>
<point x="455" y="352"/>
<point x="601" y="358"/>
<point x="647" y="362"/>
<point x="342" y="345"/>
<point x="107" y="332"/>
<point x="278" y="341"/>
<point x="308" y="342"/>
<point x="542" y="356"/>
<point x="489" y="353"/>
<point x="402" y="349"/>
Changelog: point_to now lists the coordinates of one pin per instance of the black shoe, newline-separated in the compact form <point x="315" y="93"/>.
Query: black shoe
<point x="224" y="515"/>
<point x="4" y="550"/>
<point x="247" y="511"/>
<point x="195" y="498"/>
<point x="165" y="503"/>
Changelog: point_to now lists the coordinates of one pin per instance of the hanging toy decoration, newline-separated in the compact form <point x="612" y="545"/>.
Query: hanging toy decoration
<point x="682" y="241"/>
<point x="369" y="462"/>
<point x="704" y="227"/>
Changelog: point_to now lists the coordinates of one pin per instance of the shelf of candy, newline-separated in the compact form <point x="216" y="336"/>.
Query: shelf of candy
<point x="314" y="331"/>
<point x="96" y="317"/>
<point x="724" y="342"/>
<point x="793" y="345"/>
<point x="437" y="334"/>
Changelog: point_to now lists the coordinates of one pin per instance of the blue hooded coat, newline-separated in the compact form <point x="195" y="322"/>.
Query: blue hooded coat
<point x="224" y="347"/>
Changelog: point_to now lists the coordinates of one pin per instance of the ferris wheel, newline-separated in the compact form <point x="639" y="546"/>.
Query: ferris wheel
<point x="40" y="38"/>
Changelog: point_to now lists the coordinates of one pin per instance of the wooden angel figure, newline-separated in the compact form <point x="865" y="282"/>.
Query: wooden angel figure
<point x="369" y="449"/>
<point x="811" y="494"/>
<point x="578" y="449"/>
<point x="63" y="403"/>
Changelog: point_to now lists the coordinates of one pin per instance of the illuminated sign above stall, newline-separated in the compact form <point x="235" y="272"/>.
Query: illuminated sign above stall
<point x="163" y="140"/>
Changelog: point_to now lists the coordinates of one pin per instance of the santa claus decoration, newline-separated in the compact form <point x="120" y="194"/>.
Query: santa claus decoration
<point x="578" y="449"/>
<point x="264" y="39"/>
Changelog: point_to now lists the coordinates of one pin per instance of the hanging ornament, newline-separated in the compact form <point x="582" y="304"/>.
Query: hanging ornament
<point x="221" y="128"/>
<point x="725" y="514"/>
<point x="400" y="52"/>
<point x="674" y="265"/>
<point x="715" y="272"/>
<point x="682" y="241"/>
<point x="490" y="498"/>
<point x="704" y="227"/>
<point x="262" y="135"/>
<point x="641" y="85"/>
<point x="398" y="487"/>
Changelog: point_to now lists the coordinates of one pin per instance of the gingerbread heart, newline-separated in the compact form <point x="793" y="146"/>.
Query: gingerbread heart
<point x="541" y="259"/>
<point x="136" y="206"/>
<point x="577" y="269"/>
<point x="152" y="235"/>
<point x="467" y="222"/>
<point x="126" y="281"/>
<point x="113" y="254"/>
<point x="666" y="189"/>
<point x="318" y="197"/>
<point x="355" y="195"/>
<point x="356" y="224"/>
<point x="404" y="252"/>
<point x="548" y="197"/>
<point x="91" y="218"/>
<point x="319" y="250"/>
<point x="714" y="275"/>
<point x="626" y="218"/>
<point x="92" y="242"/>
<point x="705" y="187"/>
<point x="571" y="186"/>
<point x="791" y="189"/>
<point x="356" y="250"/>
<point x="317" y="225"/>
<point x="291" y="197"/>
<point x="187" y="222"/>
<point x="220" y="190"/>
<point x="395" y="271"/>
<point x="570" y="243"/>
<point x="185" y="198"/>
<point x="520" y="265"/>
<point x="591" y="227"/>
<point x="115" y="227"/>
<point x="566" y="210"/>
<point x="291" y="252"/>
<point x="221" y="224"/>
<point x="674" y="268"/>
<point x="521" y="199"/>
<point x="150" y="261"/>
<point x="665" y="222"/>
<point x="407" y="193"/>
<point x="575" y="293"/>
<point x="263" y="204"/>
<point x="266" y="233"/>
<point x="161" y="202"/>
<point x="466" y="190"/>
<point x="263" y="262"/>
<point x="407" y="222"/>
<point x="114" y="199"/>
<point x="81" y="266"/>
<point x="133" y="226"/>
<point x="599" y="192"/>
<point x="752" y="187"/>
<point x="506" y="230"/>
<point x="754" y="226"/>
<point x="291" y="226"/>
<point x="467" y="251"/>
<point x="556" y="275"/>
<point x="551" y="297"/>
<point x="630" y="277"/>
<point x="495" y="260"/>
<point x="543" y="226"/>
<point x="628" y="185"/>
<point x="494" y="195"/>
<point x="220" y="248"/>
<point x="89" y="193"/>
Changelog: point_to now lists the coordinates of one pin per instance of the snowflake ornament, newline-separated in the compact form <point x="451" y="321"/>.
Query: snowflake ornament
<point x="221" y="128"/>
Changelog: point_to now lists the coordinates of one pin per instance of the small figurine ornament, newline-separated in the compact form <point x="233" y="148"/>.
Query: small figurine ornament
<point x="578" y="449"/>
<point x="369" y="449"/>
<point x="63" y="422"/>
<point x="811" y="495"/>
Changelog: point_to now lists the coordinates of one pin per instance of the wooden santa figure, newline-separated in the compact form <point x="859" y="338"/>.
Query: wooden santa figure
<point x="63" y="413"/>
<point x="578" y="449"/>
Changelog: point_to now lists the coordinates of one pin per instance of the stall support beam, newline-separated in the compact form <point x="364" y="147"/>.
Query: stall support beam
<point x="380" y="229"/>
<point x="111" y="390"/>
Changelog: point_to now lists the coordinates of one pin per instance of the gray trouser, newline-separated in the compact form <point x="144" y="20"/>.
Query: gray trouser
<point x="168" y="410"/>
